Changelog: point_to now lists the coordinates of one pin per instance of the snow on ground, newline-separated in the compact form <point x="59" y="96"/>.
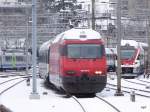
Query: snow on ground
<point x="17" y="99"/>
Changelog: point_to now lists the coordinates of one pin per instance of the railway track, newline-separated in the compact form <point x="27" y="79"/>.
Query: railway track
<point x="134" y="82"/>
<point x="10" y="83"/>
<point x="146" y="96"/>
<point x="8" y="74"/>
<point x="13" y="79"/>
<point x="125" y="89"/>
<point x="85" y="109"/>
<point x="114" y="107"/>
<point x="143" y="81"/>
<point x="82" y="107"/>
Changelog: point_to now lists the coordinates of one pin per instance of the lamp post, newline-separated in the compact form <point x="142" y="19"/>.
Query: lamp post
<point x="93" y="14"/>
<point x="118" y="91"/>
<point x="26" y="47"/>
<point x="27" y="44"/>
<point x="34" y="94"/>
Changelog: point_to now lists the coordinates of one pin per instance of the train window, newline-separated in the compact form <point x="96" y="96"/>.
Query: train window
<point x="74" y="51"/>
<point x="140" y="57"/>
<point x="8" y="58"/>
<point x="84" y="51"/>
<point x="127" y="54"/>
<point x="44" y="56"/>
<point x="103" y="50"/>
<point x="19" y="58"/>
<point x="63" y="50"/>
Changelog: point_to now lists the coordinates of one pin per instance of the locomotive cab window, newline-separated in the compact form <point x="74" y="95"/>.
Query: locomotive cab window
<point x="127" y="54"/>
<point x="84" y="51"/>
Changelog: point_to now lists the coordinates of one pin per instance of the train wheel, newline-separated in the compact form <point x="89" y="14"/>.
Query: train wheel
<point x="1" y="69"/>
<point x="47" y="82"/>
<point x="47" y="79"/>
<point x="62" y="90"/>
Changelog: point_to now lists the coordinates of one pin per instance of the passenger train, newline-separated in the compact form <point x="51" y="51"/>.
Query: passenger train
<point x="132" y="58"/>
<point x="14" y="59"/>
<point x="75" y="61"/>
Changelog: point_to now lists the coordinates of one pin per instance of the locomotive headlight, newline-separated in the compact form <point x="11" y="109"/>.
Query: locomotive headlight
<point x="98" y="72"/>
<point x="70" y="72"/>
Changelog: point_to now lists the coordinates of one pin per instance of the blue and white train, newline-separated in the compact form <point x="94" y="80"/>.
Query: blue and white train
<point x="14" y="59"/>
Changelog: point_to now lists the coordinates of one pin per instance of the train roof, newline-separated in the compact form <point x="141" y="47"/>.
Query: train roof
<point x="78" y="33"/>
<point x="143" y="44"/>
<point x="45" y="45"/>
<point x="133" y="43"/>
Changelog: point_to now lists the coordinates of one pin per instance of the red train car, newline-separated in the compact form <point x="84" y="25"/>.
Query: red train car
<point x="77" y="61"/>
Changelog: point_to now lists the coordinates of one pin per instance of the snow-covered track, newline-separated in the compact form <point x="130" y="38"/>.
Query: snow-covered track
<point x="76" y="99"/>
<point x="83" y="103"/>
<point x="13" y="85"/>
<point x="134" y="82"/>
<point x="10" y="83"/>
<point x="12" y="79"/>
<point x="139" y="92"/>
<point x="108" y="103"/>
<point x="130" y="88"/>
<point x="10" y="74"/>
<point x="125" y="91"/>
<point x="143" y="81"/>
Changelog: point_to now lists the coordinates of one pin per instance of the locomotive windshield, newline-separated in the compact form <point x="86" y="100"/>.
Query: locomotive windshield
<point x="85" y="50"/>
<point x="127" y="54"/>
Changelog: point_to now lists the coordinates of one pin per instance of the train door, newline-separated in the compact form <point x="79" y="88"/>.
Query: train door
<point x="20" y="61"/>
<point x="1" y="62"/>
<point x="13" y="61"/>
<point x="140" y="62"/>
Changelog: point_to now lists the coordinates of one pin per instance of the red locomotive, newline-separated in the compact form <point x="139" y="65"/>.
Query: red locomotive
<point x="77" y="61"/>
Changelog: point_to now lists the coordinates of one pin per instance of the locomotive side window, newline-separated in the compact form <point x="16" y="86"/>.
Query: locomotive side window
<point x="84" y="51"/>
<point x="19" y="58"/>
<point x="8" y="58"/>
<point x="63" y="50"/>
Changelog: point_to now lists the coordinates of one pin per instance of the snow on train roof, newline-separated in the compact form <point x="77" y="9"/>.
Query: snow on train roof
<point x="134" y="43"/>
<point x="78" y="33"/>
<point x="129" y="42"/>
<point x="143" y="44"/>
